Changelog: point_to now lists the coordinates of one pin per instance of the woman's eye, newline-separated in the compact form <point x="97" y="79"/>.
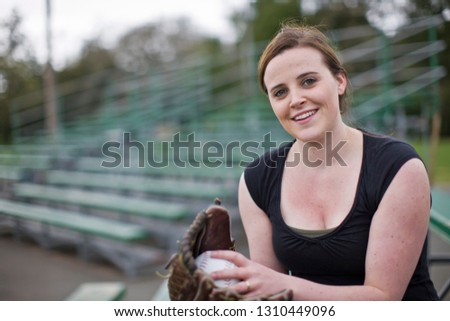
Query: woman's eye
<point x="309" y="81"/>
<point x="280" y="92"/>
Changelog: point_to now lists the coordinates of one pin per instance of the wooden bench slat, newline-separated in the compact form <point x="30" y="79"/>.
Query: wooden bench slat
<point x="440" y="223"/>
<point x="94" y="164"/>
<point x="159" y="186"/>
<point x="116" y="241"/>
<point x="98" y="291"/>
<point x="10" y="172"/>
<point x="142" y="207"/>
<point x="82" y="223"/>
<point x="27" y="161"/>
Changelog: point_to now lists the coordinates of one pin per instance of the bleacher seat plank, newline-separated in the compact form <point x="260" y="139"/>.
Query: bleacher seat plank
<point x="119" y="242"/>
<point x="101" y="200"/>
<point x="440" y="212"/>
<point x="12" y="173"/>
<point x="74" y="221"/>
<point x="98" y="291"/>
<point x="33" y="161"/>
<point x="97" y="164"/>
<point x="153" y="185"/>
<point x="440" y="223"/>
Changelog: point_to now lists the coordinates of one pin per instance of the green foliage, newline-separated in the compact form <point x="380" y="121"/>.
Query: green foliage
<point x="93" y="58"/>
<point x="155" y="44"/>
<point x="268" y="14"/>
<point x="442" y="159"/>
<point x="339" y="14"/>
<point x="168" y="44"/>
<point x="424" y="8"/>
<point x="19" y="71"/>
<point x="444" y="59"/>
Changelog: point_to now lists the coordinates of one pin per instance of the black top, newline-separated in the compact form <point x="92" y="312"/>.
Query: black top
<point x="337" y="258"/>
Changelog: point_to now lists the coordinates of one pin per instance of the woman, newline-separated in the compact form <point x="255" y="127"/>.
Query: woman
<point x="338" y="214"/>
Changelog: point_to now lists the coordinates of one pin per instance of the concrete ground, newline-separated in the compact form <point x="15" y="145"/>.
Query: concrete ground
<point x="30" y="273"/>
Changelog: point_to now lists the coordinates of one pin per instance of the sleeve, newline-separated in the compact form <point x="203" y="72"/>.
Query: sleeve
<point x="254" y="179"/>
<point x="388" y="158"/>
<point x="263" y="177"/>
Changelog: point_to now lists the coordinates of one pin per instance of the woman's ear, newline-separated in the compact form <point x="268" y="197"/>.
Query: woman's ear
<point x="342" y="83"/>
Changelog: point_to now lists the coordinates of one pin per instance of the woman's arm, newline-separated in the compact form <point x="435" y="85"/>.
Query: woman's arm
<point x="398" y="231"/>
<point x="396" y="239"/>
<point x="258" y="230"/>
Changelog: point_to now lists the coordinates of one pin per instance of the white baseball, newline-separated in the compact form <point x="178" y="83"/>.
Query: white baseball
<point x="208" y="264"/>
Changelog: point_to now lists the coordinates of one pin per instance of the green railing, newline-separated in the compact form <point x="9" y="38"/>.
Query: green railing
<point x="216" y="95"/>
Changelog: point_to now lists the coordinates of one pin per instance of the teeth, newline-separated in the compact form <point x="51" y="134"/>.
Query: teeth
<point x="305" y="115"/>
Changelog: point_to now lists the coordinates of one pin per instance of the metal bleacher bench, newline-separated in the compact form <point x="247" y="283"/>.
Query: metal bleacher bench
<point x="440" y="223"/>
<point x="114" y="240"/>
<point x="12" y="173"/>
<point x="165" y="220"/>
<point x="154" y="185"/>
<point x="98" y="291"/>
<point x="102" y="200"/>
<point x="94" y="164"/>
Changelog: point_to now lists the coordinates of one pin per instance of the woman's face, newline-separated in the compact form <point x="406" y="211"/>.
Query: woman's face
<point x="304" y="94"/>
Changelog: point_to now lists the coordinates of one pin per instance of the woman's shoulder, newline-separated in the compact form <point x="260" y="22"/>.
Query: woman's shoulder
<point x="383" y="146"/>
<point x="383" y="158"/>
<point x="271" y="159"/>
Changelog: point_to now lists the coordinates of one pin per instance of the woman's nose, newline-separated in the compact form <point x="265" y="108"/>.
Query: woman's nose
<point x="297" y="99"/>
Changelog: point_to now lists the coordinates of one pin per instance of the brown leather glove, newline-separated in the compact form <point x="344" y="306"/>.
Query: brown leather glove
<point x="210" y="230"/>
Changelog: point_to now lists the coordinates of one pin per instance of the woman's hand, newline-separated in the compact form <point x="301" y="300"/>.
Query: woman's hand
<point x="256" y="279"/>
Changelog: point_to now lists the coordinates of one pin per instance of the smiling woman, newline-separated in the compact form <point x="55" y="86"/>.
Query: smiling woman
<point x="303" y="92"/>
<point x="353" y="228"/>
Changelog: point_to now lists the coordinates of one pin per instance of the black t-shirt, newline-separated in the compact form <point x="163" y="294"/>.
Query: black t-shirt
<point x="337" y="258"/>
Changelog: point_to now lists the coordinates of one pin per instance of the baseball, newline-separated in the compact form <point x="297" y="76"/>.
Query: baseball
<point x="208" y="265"/>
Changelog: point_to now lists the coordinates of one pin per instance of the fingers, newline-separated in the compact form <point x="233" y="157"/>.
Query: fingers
<point x="241" y="272"/>
<point x="248" y="286"/>
<point x="235" y="257"/>
<point x="233" y="273"/>
<point x="243" y="287"/>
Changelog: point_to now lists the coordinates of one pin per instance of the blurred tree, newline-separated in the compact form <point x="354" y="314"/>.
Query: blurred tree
<point x="444" y="59"/>
<point x="338" y="14"/>
<point x="439" y="7"/>
<point x="82" y="81"/>
<point x="19" y="70"/>
<point x="392" y="14"/>
<point x="422" y="8"/>
<point x="269" y="14"/>
<point x="93" y="58"/>
<point x="332" y="15"/>
<point x="155" y="44"/>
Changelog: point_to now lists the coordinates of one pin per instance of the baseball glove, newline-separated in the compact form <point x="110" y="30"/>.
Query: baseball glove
<point x="210" y="230"/>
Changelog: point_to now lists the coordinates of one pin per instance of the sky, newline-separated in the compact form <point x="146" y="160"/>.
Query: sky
<point x="75" y="21"/>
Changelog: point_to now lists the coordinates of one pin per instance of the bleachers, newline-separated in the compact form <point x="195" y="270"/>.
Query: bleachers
<point x="159" y="185"/>
<point x="98" y="291"/>
<point x="115" y="241"/>
<point x="44" y="184"/>
<point x="440" y="224"/>
<point x="133" y="217"/>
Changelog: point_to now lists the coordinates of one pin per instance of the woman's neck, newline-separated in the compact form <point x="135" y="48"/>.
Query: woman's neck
<point x="332" y="149"/>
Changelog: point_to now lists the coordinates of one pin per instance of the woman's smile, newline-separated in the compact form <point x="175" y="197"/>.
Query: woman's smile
<point x="305" y="116"/>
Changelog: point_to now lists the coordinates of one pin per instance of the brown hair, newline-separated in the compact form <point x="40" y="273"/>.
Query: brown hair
<point x="293" y="36"/>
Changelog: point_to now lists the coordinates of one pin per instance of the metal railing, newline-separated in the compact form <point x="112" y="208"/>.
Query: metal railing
<point x="207" y="93"/>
